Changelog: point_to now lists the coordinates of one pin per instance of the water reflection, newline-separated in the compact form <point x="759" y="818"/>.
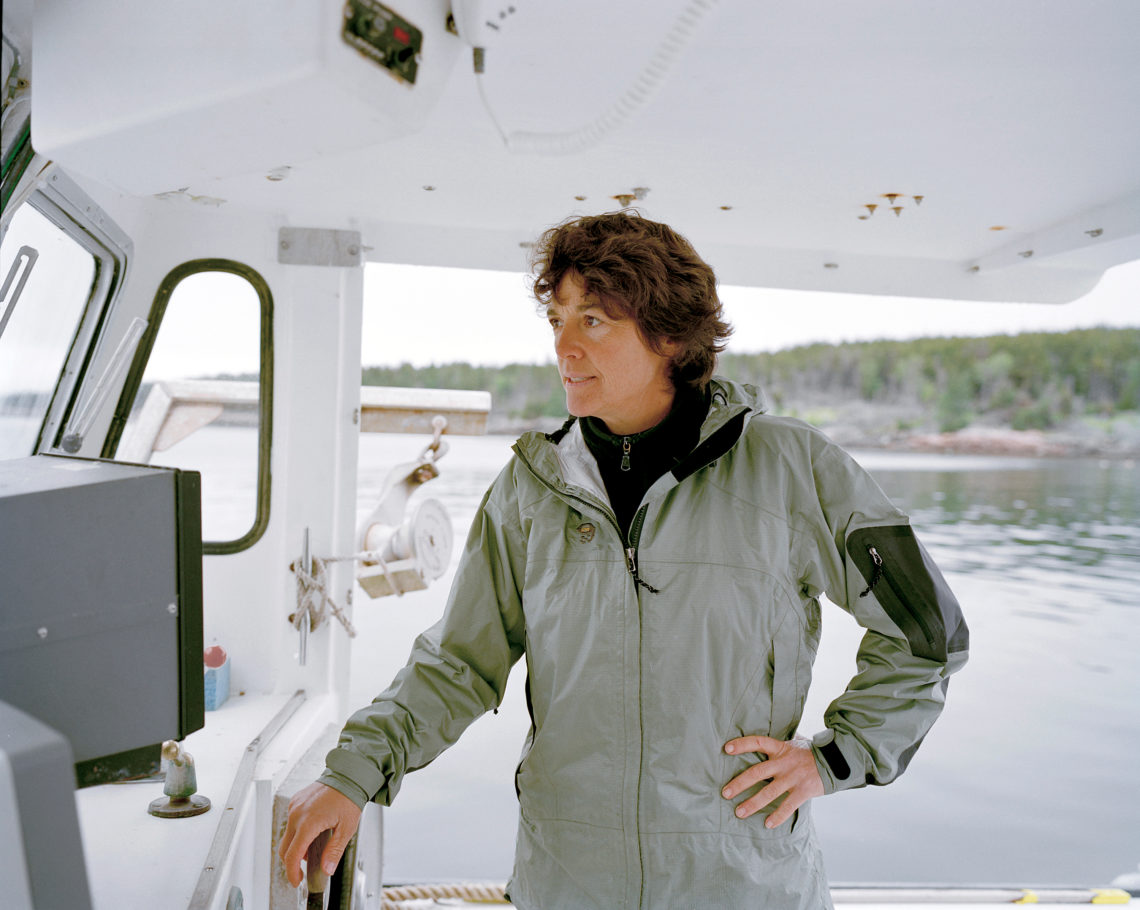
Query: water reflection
<point x="1029" y="776"/>
<point x="1078" y="521"/>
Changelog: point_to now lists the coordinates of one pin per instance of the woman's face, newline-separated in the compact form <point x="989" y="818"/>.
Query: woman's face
<point x="607" y="368"/>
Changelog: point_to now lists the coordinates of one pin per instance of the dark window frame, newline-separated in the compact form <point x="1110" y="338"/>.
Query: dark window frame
<point x="265" y="386"/>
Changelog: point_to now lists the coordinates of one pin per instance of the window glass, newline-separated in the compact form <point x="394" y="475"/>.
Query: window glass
<point x="39" y="324"/>
<point x="198" y="405"/>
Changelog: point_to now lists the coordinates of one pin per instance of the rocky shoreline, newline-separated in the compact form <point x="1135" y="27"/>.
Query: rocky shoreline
<point x="864" y="427"/>
<point x="1117" y="438"/>
<point x="995" y="441"/>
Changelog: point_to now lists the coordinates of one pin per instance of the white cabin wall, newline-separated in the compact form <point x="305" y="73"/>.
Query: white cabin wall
<point x="316" y="327"/>
<point x="315" y="450"/>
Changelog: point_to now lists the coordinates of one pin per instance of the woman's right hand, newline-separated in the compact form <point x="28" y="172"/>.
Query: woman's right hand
<point x="313" y="810"/>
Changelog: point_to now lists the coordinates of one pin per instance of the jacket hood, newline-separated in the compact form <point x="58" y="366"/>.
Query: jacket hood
<point x="735" y="394"/>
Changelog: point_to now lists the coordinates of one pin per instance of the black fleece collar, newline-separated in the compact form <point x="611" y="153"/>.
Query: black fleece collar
<point x="630" y="464"/>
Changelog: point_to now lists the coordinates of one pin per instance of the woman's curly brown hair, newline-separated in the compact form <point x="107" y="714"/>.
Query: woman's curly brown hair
<point x="646" y="271"/>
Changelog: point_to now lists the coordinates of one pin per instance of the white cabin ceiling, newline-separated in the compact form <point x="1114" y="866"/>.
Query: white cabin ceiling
<point x="774" y="129"/>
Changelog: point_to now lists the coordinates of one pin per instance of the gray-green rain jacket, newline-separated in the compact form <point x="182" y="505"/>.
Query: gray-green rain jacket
<point x="645" y="655"/>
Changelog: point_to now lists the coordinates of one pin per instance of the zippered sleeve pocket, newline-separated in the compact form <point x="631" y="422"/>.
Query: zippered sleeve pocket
<point x="904" y="580"/>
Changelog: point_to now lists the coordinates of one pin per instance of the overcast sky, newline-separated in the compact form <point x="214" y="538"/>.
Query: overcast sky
<point x="490" y="318"/>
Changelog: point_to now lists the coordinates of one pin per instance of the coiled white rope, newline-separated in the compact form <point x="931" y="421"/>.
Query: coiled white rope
<point x="394" y="898"/>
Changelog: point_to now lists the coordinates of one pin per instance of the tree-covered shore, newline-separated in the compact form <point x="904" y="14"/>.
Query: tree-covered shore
<point x="1055" y="393"/>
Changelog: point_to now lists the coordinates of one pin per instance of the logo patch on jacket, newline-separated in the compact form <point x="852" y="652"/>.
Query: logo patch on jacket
<point x="585" y="532"/>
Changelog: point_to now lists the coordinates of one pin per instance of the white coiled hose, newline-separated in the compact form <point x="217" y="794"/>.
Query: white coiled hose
<point x="637" y="95"/>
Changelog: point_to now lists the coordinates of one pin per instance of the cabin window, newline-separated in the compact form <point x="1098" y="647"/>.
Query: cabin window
<point x="198" y="395"/>
<point x="48" y="279"/>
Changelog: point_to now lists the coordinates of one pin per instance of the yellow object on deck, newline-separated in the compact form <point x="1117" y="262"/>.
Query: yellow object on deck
<point x="1110" y="896"/>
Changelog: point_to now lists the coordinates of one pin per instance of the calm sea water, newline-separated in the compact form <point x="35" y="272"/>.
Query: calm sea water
<point x="1029" y="777"/>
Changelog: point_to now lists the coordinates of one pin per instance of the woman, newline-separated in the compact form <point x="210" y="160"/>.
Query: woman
<point x="659" y="562"/>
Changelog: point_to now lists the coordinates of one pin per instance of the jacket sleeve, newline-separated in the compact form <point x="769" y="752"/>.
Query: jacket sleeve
<point x="457" y="670"/>
<point x="869" y="562"/>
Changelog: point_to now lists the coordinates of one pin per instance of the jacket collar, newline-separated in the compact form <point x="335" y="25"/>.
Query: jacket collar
<point x="730" y="400"/>
<point x="562" y="459"/>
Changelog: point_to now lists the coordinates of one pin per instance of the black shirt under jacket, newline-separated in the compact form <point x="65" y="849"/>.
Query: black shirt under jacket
<point x="630" y="464"/>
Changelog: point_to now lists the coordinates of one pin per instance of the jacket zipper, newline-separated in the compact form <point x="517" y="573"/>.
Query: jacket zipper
<point x="631" y="544"/>
<point x="631" y="565"/>
<point x="631" y="561"/>
<point x="631" y="549"/>
<point x="878" y="571"/>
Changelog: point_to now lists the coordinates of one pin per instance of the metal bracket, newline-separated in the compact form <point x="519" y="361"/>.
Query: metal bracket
<point x="318" y="246"/>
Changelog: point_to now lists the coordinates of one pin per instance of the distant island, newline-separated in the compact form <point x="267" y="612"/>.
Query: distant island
<point x="1042" y="393"/>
